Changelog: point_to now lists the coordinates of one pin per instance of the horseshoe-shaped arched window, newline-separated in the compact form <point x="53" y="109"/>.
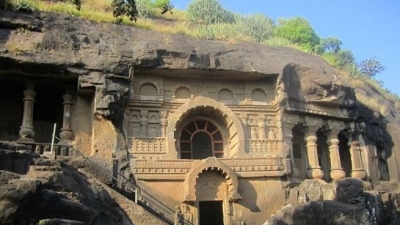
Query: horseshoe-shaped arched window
<point x="201" y="139"/>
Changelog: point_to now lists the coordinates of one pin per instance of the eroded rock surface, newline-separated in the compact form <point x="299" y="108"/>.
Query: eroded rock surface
<point x="53" y="189"/>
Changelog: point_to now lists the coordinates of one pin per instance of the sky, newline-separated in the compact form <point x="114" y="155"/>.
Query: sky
<point x="369" y="28"/>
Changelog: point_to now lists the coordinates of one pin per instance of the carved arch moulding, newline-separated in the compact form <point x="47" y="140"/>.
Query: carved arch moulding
<point x="236" y="132"/>
<point x="212" y="163"/>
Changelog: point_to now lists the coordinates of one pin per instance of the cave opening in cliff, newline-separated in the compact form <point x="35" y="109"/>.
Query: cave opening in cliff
<point x="299" y="151"/>
<point x="323" y="154"/>
<point x="11" y="110"/>
<point x="48" y="110"/>
<point x="344" y="152"/>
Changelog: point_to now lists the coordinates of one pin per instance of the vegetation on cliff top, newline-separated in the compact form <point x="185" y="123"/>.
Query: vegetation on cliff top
<point x="207" y="19"/>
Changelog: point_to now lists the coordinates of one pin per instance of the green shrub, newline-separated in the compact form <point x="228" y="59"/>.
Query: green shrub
<point x="22" y="5"/>
<point x="123" y="8"/>
<point x="256" y="26"/>
<point x="300" y="32"/>
<point x="145" y="8"/>
<point x="208" y="12"/>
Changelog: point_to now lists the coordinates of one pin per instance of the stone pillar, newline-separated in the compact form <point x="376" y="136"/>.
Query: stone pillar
<point x="336" y="166"/>
<point x="314" y="171"/>
<point x="356" y="163"/>
<point x="26" y="132"/>
<point x="66" y="133"/>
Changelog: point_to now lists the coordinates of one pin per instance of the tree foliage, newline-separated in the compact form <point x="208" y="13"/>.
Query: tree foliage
<point x="331" y="44"/>
<point x="340" y="59"/>
<point x="256" y="26"/>
<point x="208" y="12"/>
<point x="123" y="8"/>
<point x="164" y="5"/>
<point x="370" y="67"/>
<point x="298" y="31"/>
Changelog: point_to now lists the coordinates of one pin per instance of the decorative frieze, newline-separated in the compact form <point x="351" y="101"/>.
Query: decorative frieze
<point x="147" y="145"/>
<point x="177" y="169"/>
<point x="266" y="147"/>
<point x="318" y="110"/>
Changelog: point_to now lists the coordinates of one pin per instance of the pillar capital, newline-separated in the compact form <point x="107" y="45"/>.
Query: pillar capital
<point x="311" y="138"/>
<point x="67" y="99"/>
<point x="333" y="141"/>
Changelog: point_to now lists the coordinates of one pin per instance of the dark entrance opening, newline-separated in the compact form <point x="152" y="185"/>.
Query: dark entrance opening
<point x="211" y="213"/>
<point x="344" y="151"/>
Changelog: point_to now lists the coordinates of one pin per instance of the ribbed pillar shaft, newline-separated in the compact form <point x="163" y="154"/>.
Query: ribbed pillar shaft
<point x="356" y="163"/>
<point x="66" y="133"/>
<point x="314" y="171"/>
<point x="336" y="167"/>
<point x="26" y="131"/>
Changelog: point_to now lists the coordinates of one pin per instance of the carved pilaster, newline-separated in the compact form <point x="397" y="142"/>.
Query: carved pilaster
<point x="143" y="123"/>
<point x="163" y="123"/>
<point x="66" y="133"/>
<point x="314" y="171"/>
<point x="287" y="143"/>
<point x="26" y="132"/>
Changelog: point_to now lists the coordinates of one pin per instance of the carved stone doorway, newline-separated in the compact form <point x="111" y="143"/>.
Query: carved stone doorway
<point x="211" y="213"/>
<point x="211" y="193"/>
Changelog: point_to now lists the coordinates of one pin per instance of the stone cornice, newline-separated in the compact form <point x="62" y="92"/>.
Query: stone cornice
<point x="177" y="169"/>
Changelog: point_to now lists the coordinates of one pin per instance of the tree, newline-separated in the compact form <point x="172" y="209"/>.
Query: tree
<point x="332" y="44"/>
<point x="123" y="8"/>
<point x="371" y="67"/>
<point x="256" y="26"/>
<point x="341" y="59"/>
<point x="208" y="12"/>
<point x="299" y="31"/>
<point x="164" y="5"/>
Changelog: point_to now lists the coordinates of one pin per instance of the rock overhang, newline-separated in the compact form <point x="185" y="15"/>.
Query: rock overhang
<point x="75" y="47"/>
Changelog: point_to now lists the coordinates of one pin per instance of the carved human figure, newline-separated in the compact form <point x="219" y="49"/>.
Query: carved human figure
<point x="178" y="216"/>
<point x="271" y="135"/>
<point x="187" y="216"/>
<point x="238" y="219"/>
<point x="281" y="95"/>
<point x="261" y="128"/>
<point x="254" y="135"/>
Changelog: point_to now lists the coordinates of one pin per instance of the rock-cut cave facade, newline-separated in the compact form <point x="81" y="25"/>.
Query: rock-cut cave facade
<point x="210" y="146"/>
